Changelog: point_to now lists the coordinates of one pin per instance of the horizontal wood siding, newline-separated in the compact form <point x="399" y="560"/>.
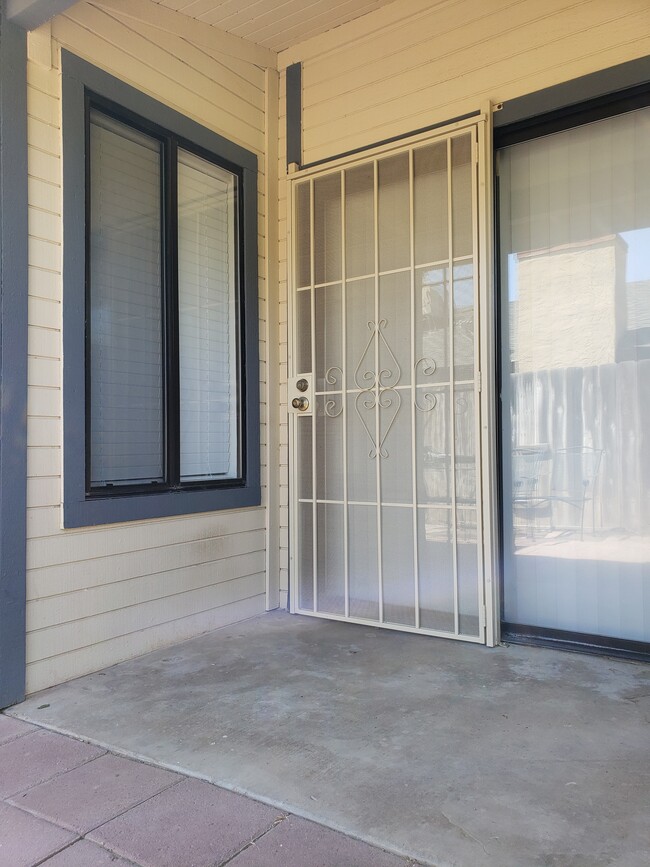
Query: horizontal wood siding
<point x="416" y="63"/>
<point x="101" y="595"/>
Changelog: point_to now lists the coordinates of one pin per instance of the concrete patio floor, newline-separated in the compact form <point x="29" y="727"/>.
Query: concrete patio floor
<point x="449" y="753"/>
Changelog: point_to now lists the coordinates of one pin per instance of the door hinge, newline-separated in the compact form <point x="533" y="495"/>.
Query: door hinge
<point x="483" y="617"/>
<point x="479" y="379"/>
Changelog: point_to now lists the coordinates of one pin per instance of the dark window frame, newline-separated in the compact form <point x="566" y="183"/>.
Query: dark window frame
<point x="594" y="97"/>
<point x="85" y="87"/>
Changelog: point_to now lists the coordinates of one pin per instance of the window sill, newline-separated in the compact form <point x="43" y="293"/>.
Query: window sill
<point x="90" y="512"/>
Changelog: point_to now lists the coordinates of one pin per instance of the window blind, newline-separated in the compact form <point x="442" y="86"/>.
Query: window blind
<point x="575" y="265"/>
<point x="126" y="346"/>
<point x="207" y="284"/>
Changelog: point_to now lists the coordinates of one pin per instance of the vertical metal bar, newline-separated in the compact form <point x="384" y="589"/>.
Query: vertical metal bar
<point x="452" y="396"/>
<point x="344" y="394"/>
<point x="312" y="324"/>
<point x="477" y="383"/>
<point x="377" y="393"/>
<point x="490" y="541"/>
<point x="295" y="544"/>
<point x="414" y="479"/>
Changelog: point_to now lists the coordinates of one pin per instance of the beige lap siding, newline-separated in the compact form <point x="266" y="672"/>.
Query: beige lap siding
<point x="416" y="63"/>
<point x="100" y="595"/>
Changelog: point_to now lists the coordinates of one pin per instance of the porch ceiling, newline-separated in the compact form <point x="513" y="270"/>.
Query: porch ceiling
<point x="275" y="24"/>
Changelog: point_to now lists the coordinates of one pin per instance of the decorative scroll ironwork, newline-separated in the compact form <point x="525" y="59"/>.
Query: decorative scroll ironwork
<point x="371" y="378"/>
<point x="428" y="400"/>
<point x="331" y="376"/>
<point x="377" y="387"/>
<point x="385" y="399"/>
<point x="330" y="407"/>
<point x="334" y="376"/>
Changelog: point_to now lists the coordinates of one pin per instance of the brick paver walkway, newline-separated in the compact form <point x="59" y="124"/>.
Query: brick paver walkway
<point x="65" y="803"/>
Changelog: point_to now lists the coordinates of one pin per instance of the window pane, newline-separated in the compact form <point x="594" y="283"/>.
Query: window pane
<point x="575" y="260"/>
<point x="126" y="405"/>
<point x="207" y="284"/>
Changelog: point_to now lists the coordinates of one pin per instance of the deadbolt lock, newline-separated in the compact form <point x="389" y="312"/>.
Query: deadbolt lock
<point x="302" y="403"/>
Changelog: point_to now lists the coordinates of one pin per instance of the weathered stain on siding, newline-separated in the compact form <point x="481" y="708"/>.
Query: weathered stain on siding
<point x="98" y="596"/>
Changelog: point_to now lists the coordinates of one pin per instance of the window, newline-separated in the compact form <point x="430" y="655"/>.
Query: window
<point x="161" y="407"/>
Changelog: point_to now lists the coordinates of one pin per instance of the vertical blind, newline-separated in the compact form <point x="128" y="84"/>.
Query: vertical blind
<point x="126" y="411"/>
<point x="207" y="275"/>
<point x="575" y="235"/>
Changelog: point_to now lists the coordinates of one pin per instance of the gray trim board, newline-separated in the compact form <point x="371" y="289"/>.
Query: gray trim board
<point x="568" y="93"/>
<point x="13" y="358"/>
<point x="78" y="509"/>
<point x="294" y="113"/>
<point x="30" y="14"/>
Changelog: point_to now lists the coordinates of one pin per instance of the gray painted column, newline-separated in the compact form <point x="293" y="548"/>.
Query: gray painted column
<point x="13" y="358"/>
<point x="294" y="114"/>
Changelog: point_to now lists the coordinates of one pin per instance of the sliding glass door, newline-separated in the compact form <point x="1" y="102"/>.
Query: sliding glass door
<point x="574" y="224"/>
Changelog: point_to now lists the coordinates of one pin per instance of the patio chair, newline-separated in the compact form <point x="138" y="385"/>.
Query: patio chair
<point x="573" y="481"/>
<point x="531" y="483"/>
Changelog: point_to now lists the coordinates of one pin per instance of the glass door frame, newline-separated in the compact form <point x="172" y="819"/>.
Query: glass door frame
<point x="529" y="127"/>
<point x="485" y="362"/>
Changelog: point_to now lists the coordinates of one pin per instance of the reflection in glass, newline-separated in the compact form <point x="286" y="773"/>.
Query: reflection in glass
<point x="575" y="230"/>
<point x="432" y="320"/>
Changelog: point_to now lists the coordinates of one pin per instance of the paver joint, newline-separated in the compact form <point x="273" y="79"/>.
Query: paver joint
<point x="67" y="803"/>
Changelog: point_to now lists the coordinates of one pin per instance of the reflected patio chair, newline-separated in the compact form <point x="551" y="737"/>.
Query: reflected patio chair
<point x="573" y="482"/>
<point x="531" y="470"/>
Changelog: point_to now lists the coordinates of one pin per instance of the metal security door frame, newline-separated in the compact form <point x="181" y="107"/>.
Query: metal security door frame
<point x="485" y="369"/>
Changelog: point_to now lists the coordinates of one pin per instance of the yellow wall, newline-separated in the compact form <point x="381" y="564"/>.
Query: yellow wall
<point x="98" y="596"/>
<point x="414" y="63"/>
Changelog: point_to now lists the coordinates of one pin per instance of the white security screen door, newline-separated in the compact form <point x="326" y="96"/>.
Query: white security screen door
<point x="384" y="397"/>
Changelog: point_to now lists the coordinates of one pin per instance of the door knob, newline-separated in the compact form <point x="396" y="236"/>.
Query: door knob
<point x="300" y="403"/>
